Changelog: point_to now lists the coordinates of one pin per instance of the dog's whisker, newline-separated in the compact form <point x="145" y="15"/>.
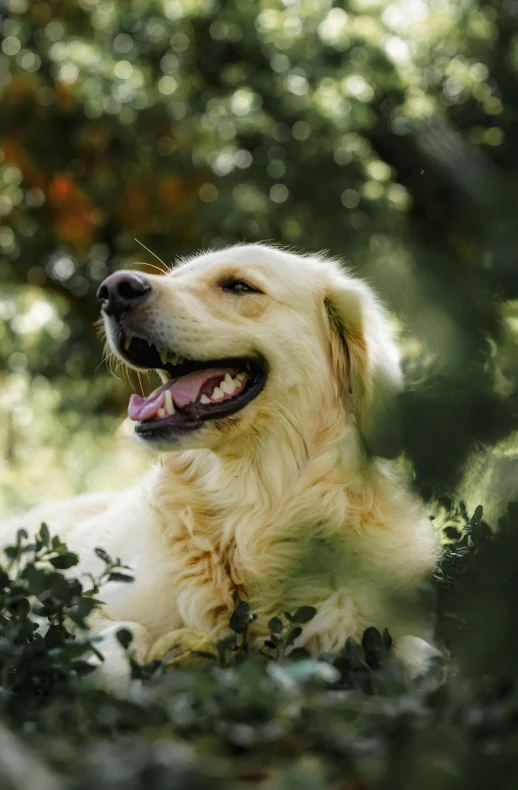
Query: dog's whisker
<point x="151" y="265"/>
<point x="164" y="271"/>
<point x="112" y="363"/>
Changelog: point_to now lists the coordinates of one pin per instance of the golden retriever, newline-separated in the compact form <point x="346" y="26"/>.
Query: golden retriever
<point x="280" y="382"/>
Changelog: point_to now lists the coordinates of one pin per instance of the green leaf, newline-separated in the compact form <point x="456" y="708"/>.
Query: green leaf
<point x="63" y="561"/>
<point x="227" y="642"/>
<point x="103" y="555"/>
<point x="78" y="620"/>
<point x="124" y="637"/>
<point x="354" y="653"/>
<point x="304" y="614"/>
<point x="298" y="654"/>
<point x="37" y="579"/>
<point x="75" y="587"/>
<point x="371" y="639"/>
<point x="85" y="607"/>
<point x="240" y="617"/>
<point x="44" y="535"/>
<point x="275" y="625"/>
<point x="21" y="607"/>
<point x="242" y="609"/>
<point x="294" y="634"/>
<point x="452" y="533"/>
<point x="115" y="576"/>
<point x="96" y="652"/>
<point x="136" y="670"/>
<point x="21" y="535"/>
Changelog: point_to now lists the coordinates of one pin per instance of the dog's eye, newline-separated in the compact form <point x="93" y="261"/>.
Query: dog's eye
<point x="239" y="287"/>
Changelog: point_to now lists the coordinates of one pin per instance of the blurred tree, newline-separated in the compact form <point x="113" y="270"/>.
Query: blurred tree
<point x="383" y="133"/>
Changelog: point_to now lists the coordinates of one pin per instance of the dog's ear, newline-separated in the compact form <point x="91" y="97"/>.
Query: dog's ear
<point x="372" y="369"/>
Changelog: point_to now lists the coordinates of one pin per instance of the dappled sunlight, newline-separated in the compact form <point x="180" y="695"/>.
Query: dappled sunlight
<point x="48" y="454"/>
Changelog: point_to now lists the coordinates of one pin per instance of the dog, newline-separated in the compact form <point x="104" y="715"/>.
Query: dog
<point x="276" y="483"/>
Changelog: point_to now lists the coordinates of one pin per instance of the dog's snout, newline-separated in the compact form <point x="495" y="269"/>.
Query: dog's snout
<point x="122" y="291"/>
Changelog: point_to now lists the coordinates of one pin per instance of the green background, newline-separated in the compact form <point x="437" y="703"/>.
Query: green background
<point x="382" y="132"/>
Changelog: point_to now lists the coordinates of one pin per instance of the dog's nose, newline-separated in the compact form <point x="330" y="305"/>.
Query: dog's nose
<point x="122" y="291"/>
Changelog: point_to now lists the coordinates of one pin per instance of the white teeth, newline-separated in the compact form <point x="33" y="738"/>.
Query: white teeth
<point x="230" y="380"/>
<point x="168" y="403"/>
<point x="161" y="413"/>
<point x="204" y="399"/>
<point x="227" y="385"/>
<point x="163" y="354"/>
<point x="163" y="375"/>
<point x="127" y="342"/>
<point x="175" y="359"/>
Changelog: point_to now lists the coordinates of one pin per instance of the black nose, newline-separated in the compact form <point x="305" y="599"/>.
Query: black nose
<point x="122" y="291"/>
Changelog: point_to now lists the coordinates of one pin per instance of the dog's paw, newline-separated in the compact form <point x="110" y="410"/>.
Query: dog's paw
<point x="181" y="647"/>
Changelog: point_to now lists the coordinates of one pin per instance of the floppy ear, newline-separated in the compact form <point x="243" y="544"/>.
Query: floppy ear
<point x="374" y="374"/>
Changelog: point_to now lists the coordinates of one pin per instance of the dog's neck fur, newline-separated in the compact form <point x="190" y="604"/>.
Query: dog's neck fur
<point x="266" y="477"/>
<point x="229" y="508"/>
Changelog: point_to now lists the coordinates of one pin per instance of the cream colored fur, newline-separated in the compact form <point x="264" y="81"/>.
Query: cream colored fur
<point x="283" y="503"/>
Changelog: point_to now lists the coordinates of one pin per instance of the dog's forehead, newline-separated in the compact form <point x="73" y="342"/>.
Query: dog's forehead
<point x="265" y="261"/>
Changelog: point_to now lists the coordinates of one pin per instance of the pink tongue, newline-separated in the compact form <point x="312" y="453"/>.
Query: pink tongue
<point x="183" y="390"/>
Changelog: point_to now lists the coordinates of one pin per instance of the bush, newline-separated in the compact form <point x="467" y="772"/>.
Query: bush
<point x="273" y="719"/>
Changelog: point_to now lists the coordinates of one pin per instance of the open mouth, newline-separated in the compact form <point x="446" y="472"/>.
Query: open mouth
<point x="193" y="391"/>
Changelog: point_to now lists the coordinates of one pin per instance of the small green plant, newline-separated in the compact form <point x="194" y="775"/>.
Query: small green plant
<point x="273" y="717"/>
<point x="285" y="631"/>
<point x="44" y="639"/>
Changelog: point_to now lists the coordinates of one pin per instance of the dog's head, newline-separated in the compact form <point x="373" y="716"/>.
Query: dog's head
<point x="248" y="337"/>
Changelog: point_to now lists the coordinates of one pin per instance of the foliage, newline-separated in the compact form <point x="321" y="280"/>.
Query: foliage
<point x="276" y="719"/>
<point x="40" y="606"/>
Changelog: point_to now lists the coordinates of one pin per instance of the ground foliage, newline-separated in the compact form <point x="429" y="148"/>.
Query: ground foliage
<point x="273" y="719"/>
